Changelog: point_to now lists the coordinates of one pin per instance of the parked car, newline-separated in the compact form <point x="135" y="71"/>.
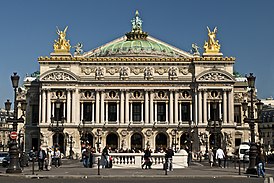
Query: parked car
<point x="2" y="156"/>
<point x="6" y="161"/>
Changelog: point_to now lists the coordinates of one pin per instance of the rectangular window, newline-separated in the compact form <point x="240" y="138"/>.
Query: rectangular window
<point x="185" y="111"/>
<point x="87" y="111"/>
<point x="58" y="113"/>
<point x="214" y="111"/>
<point x="161" y="111"/>
<point x="136" y="111"/>
<point x="237" y="115"/>
<point x="112" y="111"/>
<point x="34" y="114"/>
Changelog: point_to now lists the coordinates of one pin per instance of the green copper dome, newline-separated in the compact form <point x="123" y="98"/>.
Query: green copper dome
<point x="135" y="44"/>
<point x="137" y="47"/>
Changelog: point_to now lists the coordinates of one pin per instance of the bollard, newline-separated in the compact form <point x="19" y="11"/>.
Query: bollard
<point x="239" y="167"/>
<point x="234" y="162"/>
<point x="32" y="165"/>
<point x="166" y="166"/>
<point x="98" y="166"/>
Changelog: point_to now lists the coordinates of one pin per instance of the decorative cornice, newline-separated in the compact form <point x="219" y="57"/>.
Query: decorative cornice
<point x="133" y="59"/>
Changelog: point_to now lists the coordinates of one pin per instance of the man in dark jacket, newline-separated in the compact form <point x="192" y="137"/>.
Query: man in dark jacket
<point x="41" y="154"/>
<point x="147" y="161"/>
<point x="168" y="156"/>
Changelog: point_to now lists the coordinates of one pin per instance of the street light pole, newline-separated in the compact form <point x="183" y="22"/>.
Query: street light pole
<point x="70" y="147"/>
<point x="14" y="166"/>
<point x="251" y="121"/>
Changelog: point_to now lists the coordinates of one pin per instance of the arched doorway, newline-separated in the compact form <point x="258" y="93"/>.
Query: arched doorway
<point x="212" y="140"/>
<point x="87" y="139"/>
<point x="112" y="141"/>
<point x="59" y="141"/>
<point x="136" y="142"/>
<point x="160" y="141"/>
<point x="185" y="140"/>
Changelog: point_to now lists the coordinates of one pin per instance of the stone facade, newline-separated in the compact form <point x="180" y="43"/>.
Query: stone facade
<point x="129" y="96"/>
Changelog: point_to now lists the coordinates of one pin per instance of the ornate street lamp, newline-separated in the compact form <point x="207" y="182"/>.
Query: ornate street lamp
<point x="14" y="166"/>
<point x="56" y="127"/>
<point x="251" y="121"/>
<point x="70" y="147"/>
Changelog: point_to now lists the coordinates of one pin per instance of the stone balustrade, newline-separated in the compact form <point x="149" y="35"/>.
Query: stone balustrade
<point x="135" y="160"/>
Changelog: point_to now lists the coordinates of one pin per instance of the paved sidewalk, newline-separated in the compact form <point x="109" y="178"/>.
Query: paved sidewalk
<point x="75" y="169"/>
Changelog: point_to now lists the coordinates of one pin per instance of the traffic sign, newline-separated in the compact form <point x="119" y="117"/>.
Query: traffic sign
<point x="13" y="135"/>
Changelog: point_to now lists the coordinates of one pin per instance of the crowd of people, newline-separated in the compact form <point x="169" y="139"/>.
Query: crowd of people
<point x="47" y="158"/>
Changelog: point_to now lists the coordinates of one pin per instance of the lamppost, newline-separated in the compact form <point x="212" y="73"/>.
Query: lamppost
<point x="14" y="166"/>
<point x="215" y="126"/>
<point x="70" y="147"/>
<point x="99" y="133"/>
<point x="251" y="121"/>
<point x="83" y="132"/>
<point x="55" y="127"/>
<point x="174" y="139"/>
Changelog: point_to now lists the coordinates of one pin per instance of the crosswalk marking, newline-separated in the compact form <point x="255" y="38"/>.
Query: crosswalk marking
<point x="268" y="180"/>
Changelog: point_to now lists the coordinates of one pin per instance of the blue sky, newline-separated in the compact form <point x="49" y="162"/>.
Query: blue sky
<point x="245" y="31"/>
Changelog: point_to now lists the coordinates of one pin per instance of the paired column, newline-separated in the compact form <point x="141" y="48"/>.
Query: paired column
<point x="176" y="107"/>
<point x="151" y="107"/>
<point x="200" y="104"/>
<point x="69" y="106"/>
<point x="106" y="112"/>
<point x="48" y="106"/>
<point x="102" y="107"/>
<point x="97" y="104"/>
<point x="205" y="106"/>
<point x="122" y="109"/>
<point x="127" y="108"/>
<point x="231" y="106"/>
<point x="146" y="107"/>
<point x="224" y="106"/>
<point x="43" y="111"/>
<point x="171" y="113"/>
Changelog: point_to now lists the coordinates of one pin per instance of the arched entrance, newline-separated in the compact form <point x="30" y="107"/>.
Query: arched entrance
<point x="59" y="141"/>
<point x="87" y="139"/>
<point x="112" y="141"/>
<point x="212" y="140"/>
<point x="136" y="142"/>
<point x="185" y="141"/>
<point x="160" y="141"/>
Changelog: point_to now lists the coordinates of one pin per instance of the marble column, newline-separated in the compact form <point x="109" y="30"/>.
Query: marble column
<point x="224" y="106"/>
<point x="200" y="104"/>
<point x="176" y="107"/>
<point x="167" y="121"/>
<point x="195" y="106"/>
<point x="48" y="106"/>
<point x="106" y="120"/>
<point x="142" y="112"/>
<point x="102" y="120"/>
<point x="151" y="107"/>
<point x="208" y="108"/>
<point x="191" y="109"/>
<point x="205" y="106"/>
<point x="92" y="112"/>
<point x="44" y="103"/>
<point x="82" y="111"/>
<point x="97" y="104"/>
<point x="131" y="112"/>
<point x="127" y="108"/>
<point x="231" y="106"/>
<point x="73" y="107"/>
<point x="180" y="112"/>
<point x="146" y="107"/>
<point x="69" y="106"/>
<point x="122" y="107"/>
<point x="155" y="112"/>
<point x="171" y="112"/>
<point x="77" y="99"/>
<point x="118" y="113"/>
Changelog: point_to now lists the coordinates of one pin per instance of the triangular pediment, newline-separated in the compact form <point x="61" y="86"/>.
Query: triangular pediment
<point x="149" y="47"/>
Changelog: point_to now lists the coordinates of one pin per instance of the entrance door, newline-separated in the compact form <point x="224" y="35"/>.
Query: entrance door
<point x="161" y="141"/>
<point x="112" y="141"/>
<point x="136" y="142"/>
<point x="58" y="141"/>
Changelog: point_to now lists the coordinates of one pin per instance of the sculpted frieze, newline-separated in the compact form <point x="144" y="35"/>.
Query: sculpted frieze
<point x="148" y="73"/>
<point x="184" y="70"/>
<point x="214" y="76"/>
<point x="58" y="76"/>
<point x="161" y="70"/>
<point x="112" y="70"/>
<point x="137" y="70"/>
<point x="88" y="70"/>
<point x="100" y="72"/>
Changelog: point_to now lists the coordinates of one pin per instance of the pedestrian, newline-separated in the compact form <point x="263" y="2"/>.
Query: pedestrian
<point x="41" y="154"/>
<point x="210" y="157"/>
<point x="57" y="158"/>
<point x="220" y="156"/>
<point x="147" y="157"/>
<point x="260" y="162"/>
<point x="48" y="159"/>
<point x="105" y="157"/>
<point x="169" y="154"/>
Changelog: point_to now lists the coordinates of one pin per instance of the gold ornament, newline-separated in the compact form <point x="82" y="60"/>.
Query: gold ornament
<point x="212" y="45"/>
<point x="61" y="45"/>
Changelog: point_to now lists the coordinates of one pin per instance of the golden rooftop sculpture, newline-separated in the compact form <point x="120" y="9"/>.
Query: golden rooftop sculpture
<point x="61" y="45"/>
<point x="212" y="46"/>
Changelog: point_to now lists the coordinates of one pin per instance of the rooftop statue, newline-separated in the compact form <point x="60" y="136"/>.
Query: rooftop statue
<point x="61" y="45"/>
<point x="78" y="49"/>
<point x="212" y="45"/>
<point x="136" y="22"/>
<point x="195" y="49"/>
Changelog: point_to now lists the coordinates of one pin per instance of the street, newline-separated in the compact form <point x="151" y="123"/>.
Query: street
<point x="135" y="180"/>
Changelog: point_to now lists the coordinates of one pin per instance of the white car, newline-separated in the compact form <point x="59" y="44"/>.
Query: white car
<point x="2" y="156"/>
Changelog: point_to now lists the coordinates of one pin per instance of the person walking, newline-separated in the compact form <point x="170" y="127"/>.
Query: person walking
<point x="41" y="154"/>
<point x="210" y="157"/>
<point x="147" y="157"/>
<point x="105" y="157"/>
<point x="48" y="159"/>
<point x="220" y="156"/>
<point x="260" y="162"/>
<point x="169" y="154"/>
